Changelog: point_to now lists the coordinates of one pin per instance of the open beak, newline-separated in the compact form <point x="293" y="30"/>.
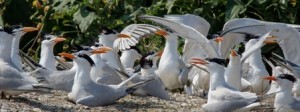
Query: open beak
<point x="159" y="54"/>
<point x="101" y="50"/>
<point x="161" y="32"/>
<point x="123" y="35"/>
<point x="67" y="55"/>
<point x="219" y="39"/>
<point x="198" y="61"/>
<point x="233" y="53"/>
<point x="271" y="40"/>
<point x="272" y="78"/>
<point x="29" y="29"/>
<point x="59" y="39"/>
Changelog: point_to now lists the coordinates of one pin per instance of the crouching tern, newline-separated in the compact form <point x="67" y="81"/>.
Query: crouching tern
<point x="284" y="100"/>
<point x="14" y="81"/>
<point x="87" y="92"/>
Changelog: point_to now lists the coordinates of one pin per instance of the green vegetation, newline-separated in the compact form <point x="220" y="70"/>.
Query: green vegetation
<point x="80" y="20"/>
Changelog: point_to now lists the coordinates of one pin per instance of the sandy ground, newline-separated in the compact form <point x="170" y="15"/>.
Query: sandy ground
<point x="56" y="102"/>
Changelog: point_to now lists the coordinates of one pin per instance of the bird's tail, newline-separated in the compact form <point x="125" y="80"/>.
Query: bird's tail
<point x="127" y="80"/>
<point x="131" y="88"/>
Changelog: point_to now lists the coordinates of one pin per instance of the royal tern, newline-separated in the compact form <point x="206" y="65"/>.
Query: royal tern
<point x="284" y="101"/>
<point x="233" y="74"/>
<point x="47" y="59"/>
<point x="89" y="93"/>
<point x="256" y="70"/>
<point x="129" y="57"/>
<point x="14" y="81"/>
<point x="107" y="38"/>
<point x="221" y="96"/>
<point x="102" y="72"/>
<point x="155" y="87"/>
<point x="170" y="58"/>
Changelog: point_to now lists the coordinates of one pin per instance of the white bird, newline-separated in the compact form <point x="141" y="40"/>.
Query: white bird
<point x="233" y="74"/>
<point x="221" y="96"/>
<point x="63" y="80"/>
<point x="89" y="93"/>
<point x="13" y="81"/>
<point x="47" y="58"/>
<point x="284" y="101"/>
<point x="170" y="64"/>
<point x="107" y="38"/>
<point x="129" y="57"/>
<point x="102" y="72"/>
<point x="155" y="87"/>
<point x="256" y="70"/>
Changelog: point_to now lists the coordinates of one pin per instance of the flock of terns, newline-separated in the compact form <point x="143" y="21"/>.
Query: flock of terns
<point x="98" y="76"/>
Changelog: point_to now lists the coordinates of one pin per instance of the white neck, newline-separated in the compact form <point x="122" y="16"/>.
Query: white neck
<point x="82" y="74"/>
<point x="128" y="58"/>
<point x="5" y="48"/>
<point x="108" y="41"/>
<point x="16" y="59"/>
<point x="233" y="73"/>
<point x="149" y="71"/>
<point x="284" y="97"/>
<point x="47" y="57"/>
<point x="217" y="77"/>
<point x="154" y="61"/>
<point x="97" y="59"/>
<point x="170" y="49"/>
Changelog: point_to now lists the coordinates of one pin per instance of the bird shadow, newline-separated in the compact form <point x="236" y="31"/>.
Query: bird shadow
<point x="39" y="105"/>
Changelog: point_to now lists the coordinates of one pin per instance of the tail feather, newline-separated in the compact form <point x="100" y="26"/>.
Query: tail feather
<point x="126" y="81"/>
<point x="132" y="88"/>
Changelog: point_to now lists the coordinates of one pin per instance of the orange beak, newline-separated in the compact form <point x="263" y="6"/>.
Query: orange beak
<point x="271" y="40"/>
<point x="101" y="50"/>
<point x="219" y="39"/>
<point x="123" y="36"/>
<point x="270" y="78"/>
<point x="67" y="55"/>
<point x="198" y="61"/>
<point x="159" y="54"/>
<point x="29" y="29"/>
<point x="233" y="53"/>
<point x="59" y="39"/>
<point x="161" y="32"/>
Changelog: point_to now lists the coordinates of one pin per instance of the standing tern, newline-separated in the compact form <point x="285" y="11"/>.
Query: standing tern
<point x="89" y="93"/>
<point x="107" y="38"/>
<point x="47" y="55"/>
<point x="170" y="58"/>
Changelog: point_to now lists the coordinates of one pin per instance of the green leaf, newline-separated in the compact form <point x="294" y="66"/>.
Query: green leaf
<point x="60" y="5"/>
<point x="234" y="8"/>
<point x="84" y="18"/>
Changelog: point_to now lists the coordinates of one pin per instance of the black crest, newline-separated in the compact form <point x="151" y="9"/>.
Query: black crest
<point x="88" y="58"/>
<point x="9" y="29"/>
<point x="145" y="63"/>
<point x="288" y="77"/>
<point x="107" y="31"/>
<point x="217" y="60"/>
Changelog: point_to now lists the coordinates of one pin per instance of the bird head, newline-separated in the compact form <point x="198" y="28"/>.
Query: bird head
<point x="285" y="80"/>
<point x="52" y="39"/>
<point x="209" y="62"/>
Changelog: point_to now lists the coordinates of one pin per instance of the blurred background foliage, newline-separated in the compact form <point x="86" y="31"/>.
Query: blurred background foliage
<point x="80" y="20"/>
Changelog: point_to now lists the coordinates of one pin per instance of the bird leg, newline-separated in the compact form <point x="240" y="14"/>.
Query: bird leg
<point x="70" y="100"/>
<point x="2" y="95"/>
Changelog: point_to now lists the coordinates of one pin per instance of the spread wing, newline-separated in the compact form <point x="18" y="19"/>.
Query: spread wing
<point x="186" y="32"/>
<point x="132" y="34"/>
<point x="199" y="24"/>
